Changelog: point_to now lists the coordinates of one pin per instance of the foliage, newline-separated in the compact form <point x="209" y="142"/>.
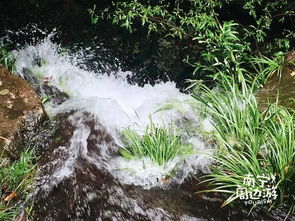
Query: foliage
<point x="213" y="44"/>
<point x="270" y="66"/>
<point x="16" y="180"/>
<point x="159" y="144"/>
<point x="251" y="141"/>
<point x="231" y="42"/>
<point x="229" y="107"/>
<point x="6" y="58"/>
<point x="63" y="84"/>
<point x="45" y="99"/>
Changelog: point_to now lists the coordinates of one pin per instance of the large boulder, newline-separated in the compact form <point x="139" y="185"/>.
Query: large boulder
<point x="21" y="113"/>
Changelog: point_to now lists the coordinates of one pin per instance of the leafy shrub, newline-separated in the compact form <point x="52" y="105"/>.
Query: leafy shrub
<point x="214" y="38"/>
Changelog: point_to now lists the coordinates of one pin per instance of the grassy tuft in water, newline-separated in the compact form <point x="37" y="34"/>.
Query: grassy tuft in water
<point x="16" y="180"/>
<point x="161" y="145"/>
<point x="252" y="142"/>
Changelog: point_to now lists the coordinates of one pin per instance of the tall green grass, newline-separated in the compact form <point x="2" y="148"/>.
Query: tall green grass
<point x="160" y="144"/>
<point x="251" y="141"/>
<point x="270" y="66"/>
<point x="6" y="58"/>
<point x="16" y="181"/>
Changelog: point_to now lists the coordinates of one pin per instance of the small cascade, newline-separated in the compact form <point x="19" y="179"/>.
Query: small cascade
<point x="114" y="104"/>
<point x="82" y="175"/>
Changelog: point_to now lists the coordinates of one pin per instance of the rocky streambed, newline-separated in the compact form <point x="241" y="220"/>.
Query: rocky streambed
<point x="73" y="182"/>
<point x="77" y="141"/>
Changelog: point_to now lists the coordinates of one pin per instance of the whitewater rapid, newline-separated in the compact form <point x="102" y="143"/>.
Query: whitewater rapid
<point x="115" y="104"/>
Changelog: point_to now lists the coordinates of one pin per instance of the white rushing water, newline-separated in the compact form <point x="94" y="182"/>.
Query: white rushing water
<point x="116" y="105"/>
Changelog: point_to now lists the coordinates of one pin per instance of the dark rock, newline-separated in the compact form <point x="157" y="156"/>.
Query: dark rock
<point x="21" y="113"/>
<point x="44" y="89"/>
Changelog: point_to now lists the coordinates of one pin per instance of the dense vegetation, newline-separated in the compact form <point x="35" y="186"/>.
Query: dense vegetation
<point x="237" y="54"/>
<point x="259" y="143"/>
<point x="213" y="37"/>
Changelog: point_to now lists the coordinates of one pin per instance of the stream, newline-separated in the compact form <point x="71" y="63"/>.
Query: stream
<point x="81" y="174"/>
<point x="89" y="101"/>
<point x="94" y="81"/>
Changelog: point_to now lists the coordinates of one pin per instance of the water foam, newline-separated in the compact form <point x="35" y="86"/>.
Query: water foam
<point x="117" y="105"/>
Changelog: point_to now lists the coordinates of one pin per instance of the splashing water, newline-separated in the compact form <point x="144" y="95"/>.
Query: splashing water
<point x="115" y="105"/>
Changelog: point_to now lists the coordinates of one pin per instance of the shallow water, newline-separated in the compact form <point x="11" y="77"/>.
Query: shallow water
<point x="279" y="89"/>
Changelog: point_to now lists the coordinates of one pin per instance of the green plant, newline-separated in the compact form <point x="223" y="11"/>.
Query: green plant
<point x="15" y="181"/>
<point x="229" y="107"/>
<point x="280" y="132"/>
<point x="213" y="45"/>
<point x="39" y="72"/>
<point x="161" y="145"/>
<point x="250" y="141"/>
<point x="94" y="17"/>
<point x="7" y="213"/>
<point x="46" y="98"/>
<point x="6" y="58"/>
<point x="270" y="66"/>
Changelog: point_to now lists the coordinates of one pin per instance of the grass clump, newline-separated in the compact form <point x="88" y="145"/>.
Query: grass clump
<point x="252" y="142"/>
<point x="161" y="145"/>
<point x="6" y="58"/>
<point x="268" y="67"/>
<point x="229" y="107"/>
<point x="15" y="181"/>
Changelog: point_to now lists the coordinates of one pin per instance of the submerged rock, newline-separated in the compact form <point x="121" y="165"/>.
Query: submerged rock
<point x="74" y="184"/>
<point x="21" y="113"/>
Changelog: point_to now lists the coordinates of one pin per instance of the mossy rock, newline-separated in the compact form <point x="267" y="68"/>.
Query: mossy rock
<point x="21" y="113"/>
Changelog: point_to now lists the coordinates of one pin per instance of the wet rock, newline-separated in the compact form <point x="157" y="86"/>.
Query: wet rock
<point x="74" y="184"/>
<point x="21" y="113"/>
<point x="43" y="88"/>
<point x="280" y="88"/>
